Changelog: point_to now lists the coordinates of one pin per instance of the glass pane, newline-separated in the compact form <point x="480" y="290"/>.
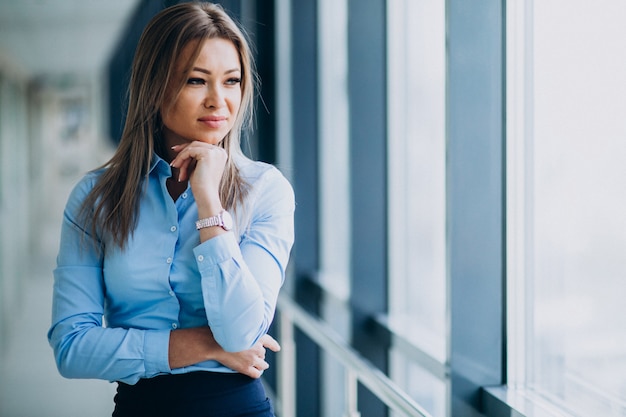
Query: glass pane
<point x="427" y="390"/>
<point x="417" y="170"/>
<point x="334" y="179"/>
<point x="576" y="200"/>
<point x="417" y="203"/>
<point x="334" y="147"/>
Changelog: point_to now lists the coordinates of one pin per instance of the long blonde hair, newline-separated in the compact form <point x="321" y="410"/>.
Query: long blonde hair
<point x="113" y="203"/>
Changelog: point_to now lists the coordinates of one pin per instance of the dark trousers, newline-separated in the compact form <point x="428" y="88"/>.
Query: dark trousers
<point x="196" y="394"/>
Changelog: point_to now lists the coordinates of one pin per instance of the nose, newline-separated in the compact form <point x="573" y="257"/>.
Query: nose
<point x="214" y="97"/>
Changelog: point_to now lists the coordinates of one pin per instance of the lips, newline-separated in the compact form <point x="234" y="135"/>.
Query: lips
<point x="213" y="121"/>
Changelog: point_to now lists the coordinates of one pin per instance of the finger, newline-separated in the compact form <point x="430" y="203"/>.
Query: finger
<point x="252" y="372"/>
<point x="178" y="149"/>
<point x="183" y="152"/>
<point x="270" y="343"/>
<point x="183" y="172"/>
<point x="262" y="365"/>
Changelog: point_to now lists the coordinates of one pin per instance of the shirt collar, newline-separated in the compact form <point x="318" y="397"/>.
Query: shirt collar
<point x="159" y="166"/>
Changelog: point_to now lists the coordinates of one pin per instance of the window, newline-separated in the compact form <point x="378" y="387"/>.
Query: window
<point x="334" y="147"/>
<point x="417" y="203"/>
<point x="334" y="180"/>
<point x="566" y="90"/>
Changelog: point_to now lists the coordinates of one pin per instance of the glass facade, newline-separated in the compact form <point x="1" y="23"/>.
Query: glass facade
<point x="567" y="176"/>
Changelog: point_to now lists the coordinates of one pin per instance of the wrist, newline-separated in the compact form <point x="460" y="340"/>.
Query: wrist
<point x="191" y="346"/>
<point x="223" y="220"/>
<point x="205" y="193"/>
<point x="205" y="212"/>
<point x="208" y="207"/>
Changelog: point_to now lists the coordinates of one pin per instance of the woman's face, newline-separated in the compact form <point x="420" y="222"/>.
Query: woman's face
<point x="207" y="106"/>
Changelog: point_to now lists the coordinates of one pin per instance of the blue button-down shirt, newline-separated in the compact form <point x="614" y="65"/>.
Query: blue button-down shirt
<point x="166" y="279"/>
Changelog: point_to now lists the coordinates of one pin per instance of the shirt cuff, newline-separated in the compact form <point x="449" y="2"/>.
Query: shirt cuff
<point x="156" y="352"/>
<point x="215" y="251"/>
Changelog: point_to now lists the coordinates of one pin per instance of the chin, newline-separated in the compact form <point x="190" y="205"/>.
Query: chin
<point x="210" y="140"/>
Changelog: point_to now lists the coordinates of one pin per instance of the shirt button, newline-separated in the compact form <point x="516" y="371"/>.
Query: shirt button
<point x="171" y="293"/>
<point x="173" y="228"/>
<point x="174" y="326"/>
<point x="200" y="258"/>
<point x="184" y="195"/>
<point x="169" y="260"/>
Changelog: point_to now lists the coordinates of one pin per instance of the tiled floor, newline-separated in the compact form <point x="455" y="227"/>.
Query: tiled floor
<point x="30" y="385"/>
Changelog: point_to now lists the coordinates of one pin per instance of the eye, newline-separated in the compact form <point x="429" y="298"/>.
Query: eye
<point x="195" y="81"/>
<point x="233" y="81"/>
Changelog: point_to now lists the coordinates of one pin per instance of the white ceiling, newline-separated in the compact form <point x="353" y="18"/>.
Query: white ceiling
<point x="61" y="37"/>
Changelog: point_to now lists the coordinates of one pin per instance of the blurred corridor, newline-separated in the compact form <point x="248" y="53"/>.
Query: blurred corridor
<point x="30" y="384"/>
<point x="52" y="57"/>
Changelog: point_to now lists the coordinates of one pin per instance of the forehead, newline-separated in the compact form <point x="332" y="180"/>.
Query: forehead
<point x="209" y="53"/>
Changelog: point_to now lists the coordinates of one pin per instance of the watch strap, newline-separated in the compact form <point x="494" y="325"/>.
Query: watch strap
<point x="209" y="222"/>
<point x="223" y="220"/>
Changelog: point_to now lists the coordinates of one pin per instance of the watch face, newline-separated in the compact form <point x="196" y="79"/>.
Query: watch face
<point x="227" y="220"/>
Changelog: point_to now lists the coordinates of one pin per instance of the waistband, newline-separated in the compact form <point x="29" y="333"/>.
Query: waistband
<point x="201" y="393"/>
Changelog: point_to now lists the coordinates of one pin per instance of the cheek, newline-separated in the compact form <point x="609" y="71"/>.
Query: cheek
<point x="167" y="110"/>
<point x="168" y="107"/>
<point x="166" y="116"/>
<point x="235" y="103"/>
<point x="172" y="112"/>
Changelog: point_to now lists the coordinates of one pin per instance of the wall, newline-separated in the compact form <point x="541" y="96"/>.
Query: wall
<point x="14" y="195"/>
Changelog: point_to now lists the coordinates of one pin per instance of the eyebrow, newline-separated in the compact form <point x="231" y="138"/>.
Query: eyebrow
<point x="209" y="72"/>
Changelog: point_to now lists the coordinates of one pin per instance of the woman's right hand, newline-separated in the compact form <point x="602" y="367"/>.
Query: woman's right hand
<point x="203" y="165"/>
<point x="250" y="362"/>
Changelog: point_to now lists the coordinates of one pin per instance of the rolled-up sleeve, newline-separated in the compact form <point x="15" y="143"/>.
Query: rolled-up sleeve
<point x="241" y="280"/>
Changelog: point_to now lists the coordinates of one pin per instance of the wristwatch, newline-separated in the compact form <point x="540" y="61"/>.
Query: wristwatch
<point x="223" y="220"/>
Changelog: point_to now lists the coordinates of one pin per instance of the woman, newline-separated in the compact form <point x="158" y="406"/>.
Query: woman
<point x="179" y="241"/>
